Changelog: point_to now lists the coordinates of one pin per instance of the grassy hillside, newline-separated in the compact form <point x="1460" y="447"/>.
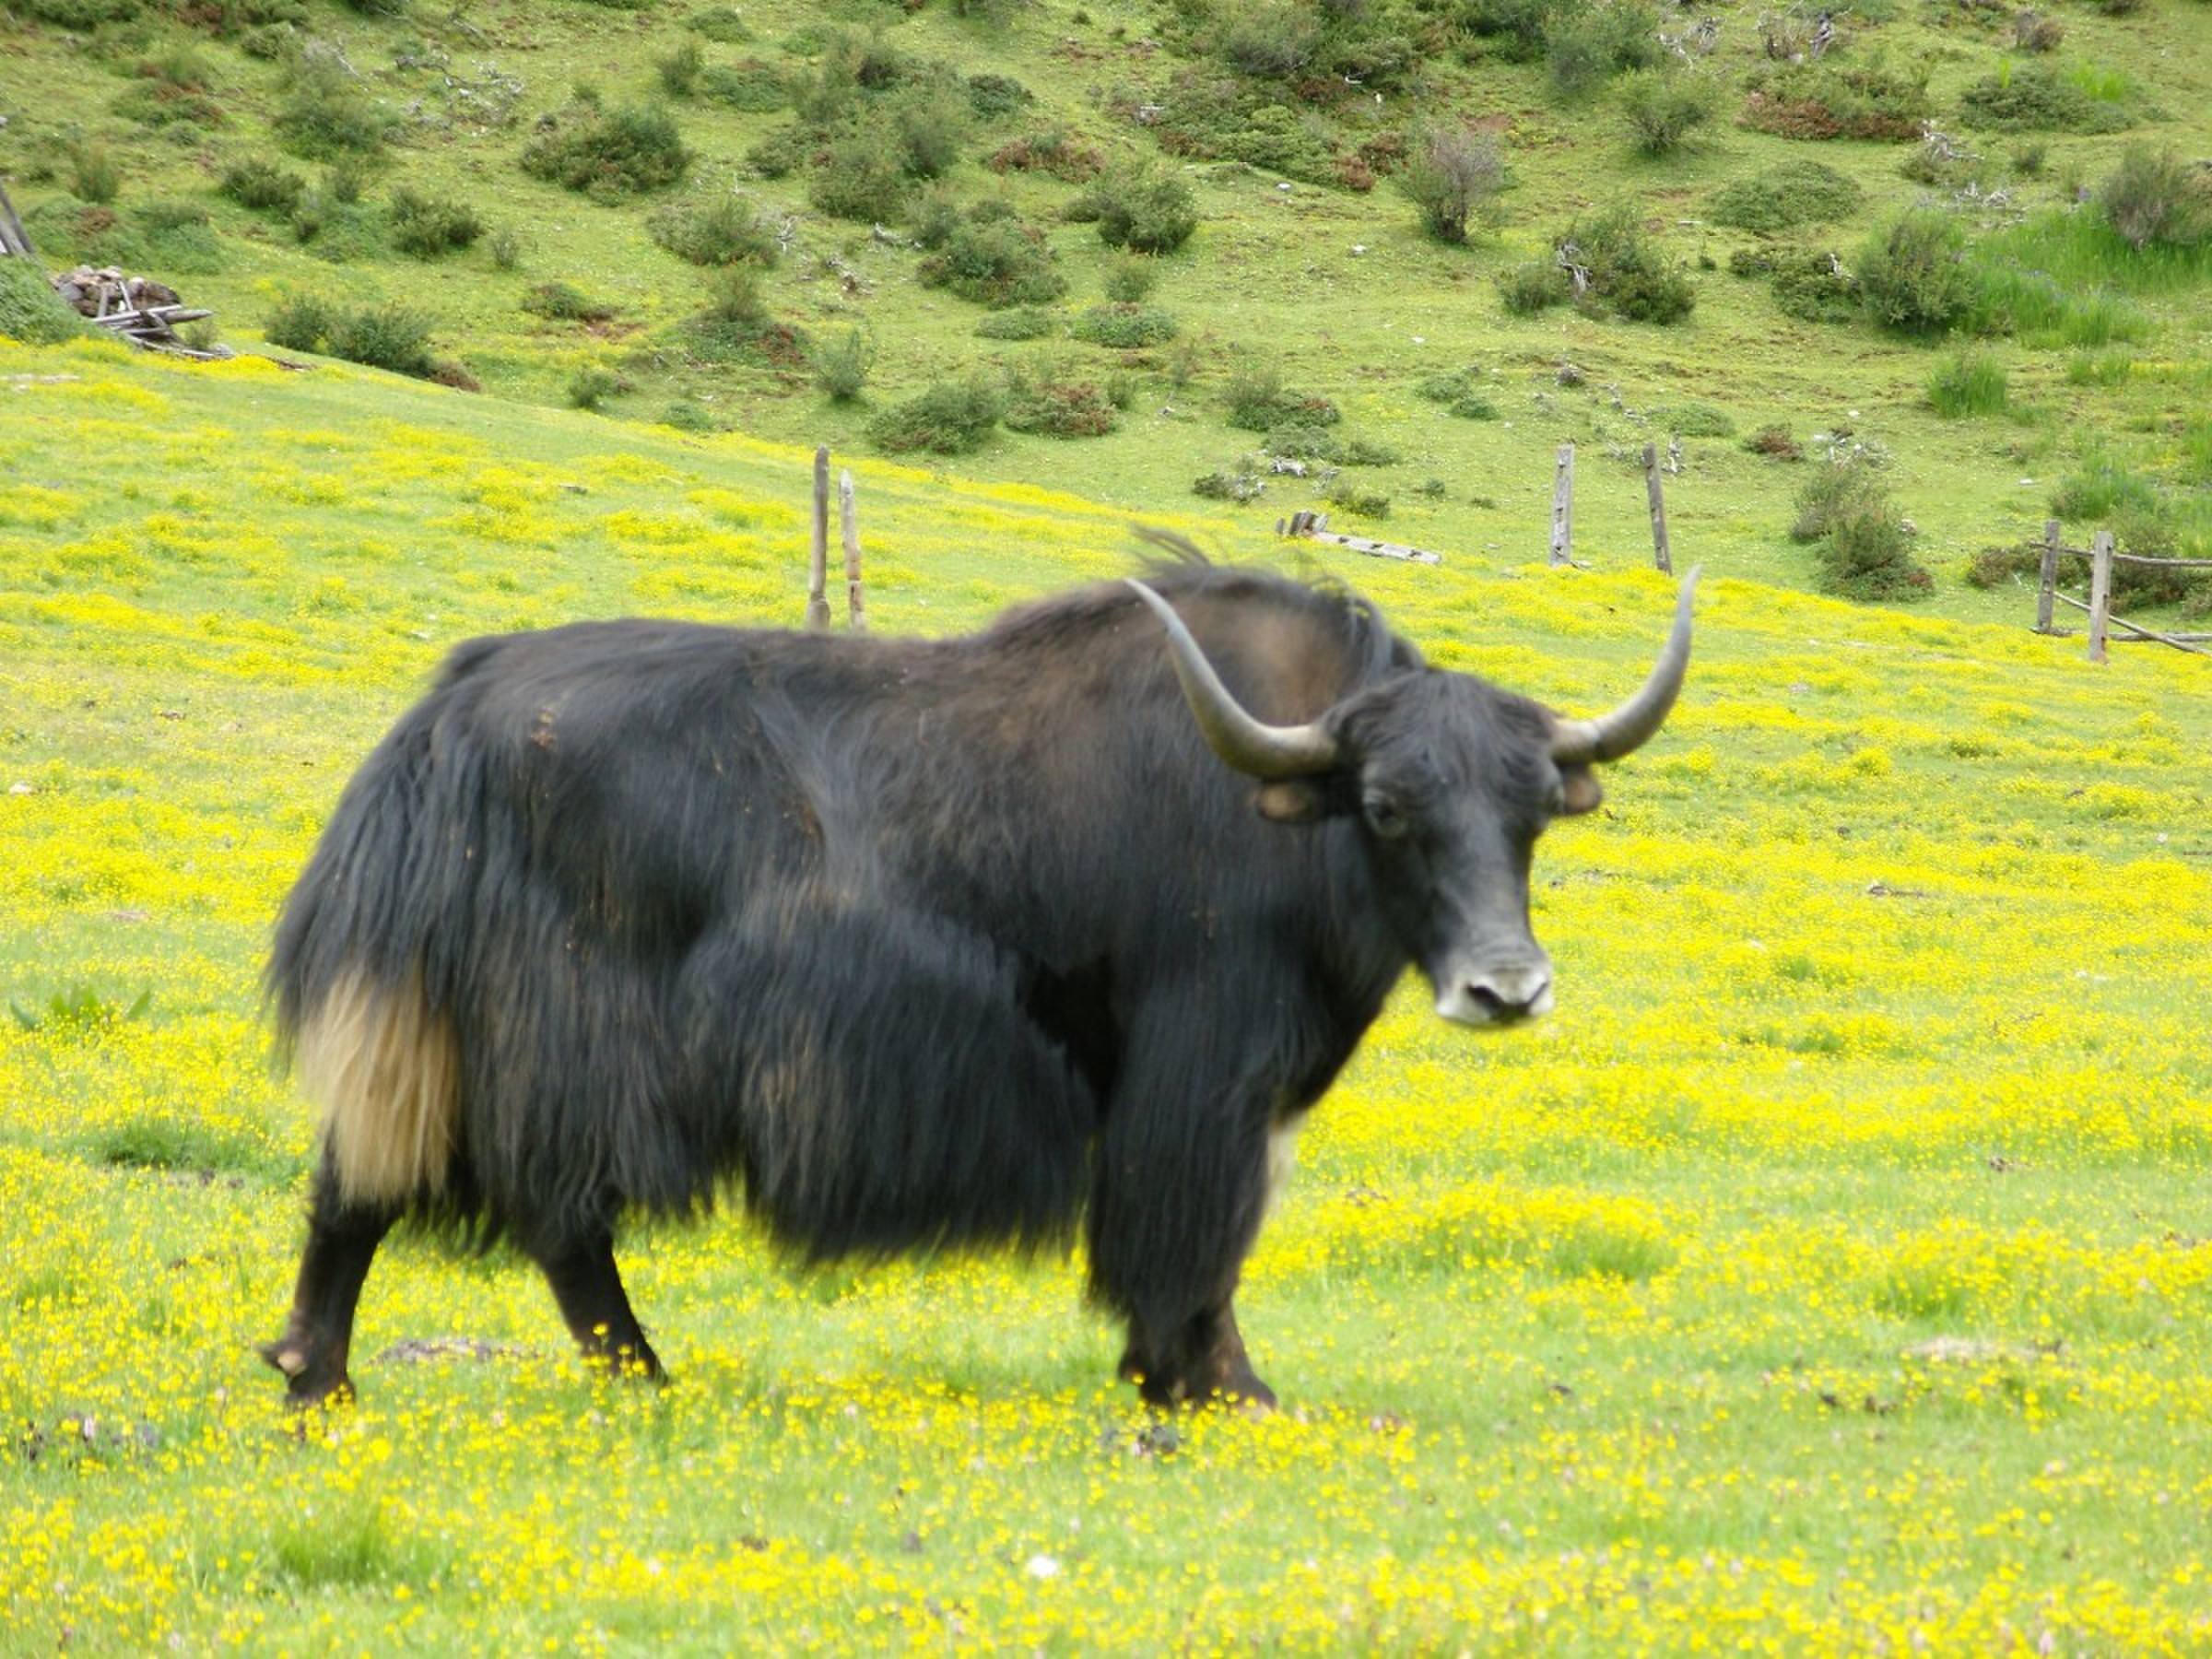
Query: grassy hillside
<point x="2073" y="367"/>
<point x="1828" y="1274"/>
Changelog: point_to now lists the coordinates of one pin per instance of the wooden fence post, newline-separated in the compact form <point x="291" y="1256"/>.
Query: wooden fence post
<point x="1662" y="555"/>
<point x="12" y="242"/>
<point x="848" y="523"/>
<point x="1562" y="508"/>
<point x="2101" y="592"/>
<point x="2049" y="579"/>
<point x="818" y="569"/>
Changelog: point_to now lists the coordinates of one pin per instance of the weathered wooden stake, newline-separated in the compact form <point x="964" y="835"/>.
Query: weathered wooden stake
<point x="818" y="570"/>
<point x="1662" y="555"/>
<point x="1562" y="508"/>
<point x="2050" y="577"/>
<point x="2101" y="592"/>
<point x="12" y="239"/>
<point x="848" y="523"/>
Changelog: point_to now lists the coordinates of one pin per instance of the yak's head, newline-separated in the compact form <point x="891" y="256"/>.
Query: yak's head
<point x="1451" y="780"/>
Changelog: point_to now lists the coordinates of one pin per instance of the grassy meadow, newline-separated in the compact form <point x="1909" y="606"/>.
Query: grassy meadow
<point x="1829" y="1271"/>
<point x="1832" y="1272"/>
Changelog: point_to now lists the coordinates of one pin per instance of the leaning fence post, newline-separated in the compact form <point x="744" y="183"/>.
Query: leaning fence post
<point x="2101" y="592"/>
<point x="1662" y="555"/>
<point x="2050" y="578"/>
<point x="848" y="523"/>
<point x="818" y="568"/>
<point x="1562" y="508"/>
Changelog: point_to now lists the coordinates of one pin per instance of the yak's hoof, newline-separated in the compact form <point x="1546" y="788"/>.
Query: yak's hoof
<point x="308" y="1381"/>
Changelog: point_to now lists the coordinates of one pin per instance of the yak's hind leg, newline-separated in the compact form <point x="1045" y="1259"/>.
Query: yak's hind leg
<point x="589" y="1288"/>
<point x="341" y="1242"/>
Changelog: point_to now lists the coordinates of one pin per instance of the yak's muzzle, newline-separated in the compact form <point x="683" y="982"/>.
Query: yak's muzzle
<point x="1494" y="993"/>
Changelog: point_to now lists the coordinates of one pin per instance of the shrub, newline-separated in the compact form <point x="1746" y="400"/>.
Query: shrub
<point x="506" y="247"/>
<point x="31" y="312"/>
<point x="1453" y="174"/>
<point x="1357" y="499"/>
<point x="1584" y="46"/>
<point x="263" y="186"/>
<point x="1694" y="421"/>
<point x="1223" y="485"/>
<point x="2031" y="31"/>
<point x="300" y="322"/>
<point x="929" y="131"/>
<point x="1258" y="401"/>
<point x="1784" y="196"/>
<point x="1145" y="210"/>
<point x="1514" y="29"/>
<point x="1827" y="101"/>
<point x="861" y="179"/>
<point x="1532" y="285"/>
<point x="1913" y="277"/>
<point x="1972" y="384"/>
<point x="564" y="303"/>
<point x="1624" y="273"/>
<point x="93" y="175"/>
<point x="840" y="366"/>
<point x="609" y="155"/>
<point x="383" y="337"/>
<point x="1020" y="323"/>
<point x="724" y="25"/>
<point x="1124" y="327"/>
<point x="678" y="70"/>
<point x="1815" y="288"/>
<point x="1462" y="392"/>
<point x="1837" y="489"/>
<point x="782" y="152"/>
<point x="949" y="419"/>
<point x="1775" y="443"/>
<point x="325" y="114"/>
<point x="1051" y="152"/>
<point x="1868" y="556"/>
<point x="345" y="180"/>
<point x="1301" y="440"/>
<point x="2155" y="196"/>
<point x="1129" y="278"/>
<point x="426" y="227"/>
<point x="2035" y="97"/>
<point x="752" y="87"/>
<point x="1663" y="107"/>
<point x="1049" y="407"/>
<point x="994" y="97"/>
<point x="997" y="263"/>
<point x="591" y="386"/>
<point x="723" y="230"/>
<point x="685" y="416"/>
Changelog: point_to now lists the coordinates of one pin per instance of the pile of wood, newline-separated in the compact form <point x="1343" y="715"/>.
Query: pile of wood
<point x="141" y="310"/>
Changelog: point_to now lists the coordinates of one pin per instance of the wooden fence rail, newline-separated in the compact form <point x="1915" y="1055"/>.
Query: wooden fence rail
<point x="2102" y="556"/>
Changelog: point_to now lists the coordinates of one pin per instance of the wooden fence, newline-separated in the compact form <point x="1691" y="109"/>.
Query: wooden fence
<point x="818" y="568"/>
<point x="2102" y="556"/>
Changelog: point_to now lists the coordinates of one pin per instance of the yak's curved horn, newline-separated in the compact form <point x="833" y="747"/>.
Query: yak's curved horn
<point x="1251" y="745"/>
<point x="1629" y="726"/>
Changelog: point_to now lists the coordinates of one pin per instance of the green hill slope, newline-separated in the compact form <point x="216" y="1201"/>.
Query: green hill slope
<point x="1293" y="127"/>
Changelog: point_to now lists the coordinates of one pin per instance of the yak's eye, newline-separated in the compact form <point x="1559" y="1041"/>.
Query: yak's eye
<point x="1383" y="816"/>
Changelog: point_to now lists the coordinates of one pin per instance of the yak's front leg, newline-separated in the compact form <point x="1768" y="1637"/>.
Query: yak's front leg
<point x="1179" y="1188"/>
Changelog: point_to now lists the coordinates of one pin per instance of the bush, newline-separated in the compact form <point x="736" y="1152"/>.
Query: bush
<point x="1019" y="324"/>
<point x="1786" y="196"/>
<point x="678" y="70"/>
<point x="1836" y="491"/>
<point x="1584" y="46"/>
<point x="609" y="156"/>
<point x="1356" y="500"/>
<point x="1051" y="152"/>
<point x="1694" y="421"/>
<point x="31" y="312"/>
<point x="687" y="416"/>
<point x="93" y="175"/>
<point x="1258" y="401"/>
<point x="1129" y="278"/>
<point x="752" y="87"/>
<point x="1124" y="327"/>
<point x="840" y="367"/>
<point x="1463" y="392"/>
<point x="425" y="227"/>
<point x="724" y="230"/>
<point x="929" y="131"/>
<point x="1815" y="288"/>
<point x="724" y="25"/>
<point x="861" y="179"/>
<point x="1664" y="106"/>
<point x="2031" y="31"/>
<point x="1223" y="484"/>
<point x="1453" y="174"/>
<point x="2155" y="196"/>
<point x="949" y="419"/>
<point x="1147" y="211"/>
<point x="1048" y="407"/>
<point x="564" y="303"/>
<point x="1625" y="274"/>
<point x="1868" y="556"/>
<point x="591" y="386"/>
<point x="994" y="97"/>
<point x="1972" y="383"/>
<point x="2035" y="97"/>
<point x="1775" y="443"/>
<point x="263" y="186"/>
<point x="324" y="114"/>
<point x="300" y="322"/>
<point x="1532" y="285"/>
<point x="1823" y="100"/>
<point x="383" y="337"/>
<point x="996" y="263"/>
<point x="1913" y="276"/>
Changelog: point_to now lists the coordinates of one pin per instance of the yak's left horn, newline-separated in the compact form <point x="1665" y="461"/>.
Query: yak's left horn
<point x="1230" y="731"/>
<point x="1629" y="726"/>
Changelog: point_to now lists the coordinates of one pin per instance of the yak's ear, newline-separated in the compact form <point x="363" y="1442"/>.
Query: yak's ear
<point x="1579" y="790"/>
<point x="1295" y="800"/>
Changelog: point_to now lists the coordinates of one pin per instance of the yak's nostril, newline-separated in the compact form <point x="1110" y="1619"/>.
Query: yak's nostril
<point x="1489" y="1001"/>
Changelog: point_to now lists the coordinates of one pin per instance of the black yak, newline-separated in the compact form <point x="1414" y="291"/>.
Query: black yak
<point x="913" y="943"/>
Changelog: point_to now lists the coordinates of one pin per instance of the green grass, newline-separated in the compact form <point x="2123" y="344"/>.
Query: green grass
<point x="1971" y="386"/>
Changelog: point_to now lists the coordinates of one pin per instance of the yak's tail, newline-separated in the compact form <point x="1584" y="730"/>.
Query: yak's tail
<point x="354" y="978"/>
<point x="382" y="1066"/>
